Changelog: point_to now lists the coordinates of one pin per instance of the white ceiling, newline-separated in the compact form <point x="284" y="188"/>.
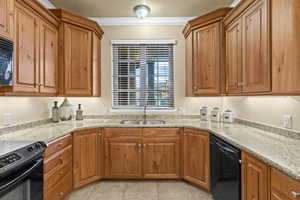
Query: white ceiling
<point x="123" y="8"/>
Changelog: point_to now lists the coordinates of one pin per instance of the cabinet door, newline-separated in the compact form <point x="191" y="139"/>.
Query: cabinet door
<point x="197" y="158"/>
<point x="123" y="158"/>
<point x="48" y="58"/>
<point x="233" y="58"/>
<point x="285" y="47"/>
<point x="255" y="178"/>
<point x="206" y="70"/>
<point x="189" y="65"/>
<point x="87" y="148"/>
<point x="161" y="158"/>
<point x="6" y="18"/>
<point x="96" y="66"/>
<point x="256" y="64"/>
<point x="26" y="69"/>
<point x="77" y="61"/>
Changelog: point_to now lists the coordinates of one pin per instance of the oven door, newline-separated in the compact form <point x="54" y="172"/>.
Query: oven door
<point x="24" y="184"/>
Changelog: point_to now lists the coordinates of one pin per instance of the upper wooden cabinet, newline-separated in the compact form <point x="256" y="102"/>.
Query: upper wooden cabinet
<point x="36" y="50"/>
<point x="87" y="157"/>
<point x="255" y="178"/>
<point x="7" y="19"/>
<point x="197" y="158"/>
<point x="80" y="44"/>
<point x="205" y="54"/>
<point x="247" y="50"/>
<point x="285" y="18"/>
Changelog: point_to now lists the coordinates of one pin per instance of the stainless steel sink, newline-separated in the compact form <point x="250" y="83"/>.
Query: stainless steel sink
<point x="142" y="122"/>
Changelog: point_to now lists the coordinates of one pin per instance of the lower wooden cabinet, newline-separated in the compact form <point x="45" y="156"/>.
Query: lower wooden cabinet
<point x="197" y="158"/>
<point x="142" y="153"/>
<point x="255" y="178"/>
<point x="283" y="187"/>
<point x="123" y="158"/>
<point x="161" y="158"/>
<point x="87" y="155"/>
<point x="58" y="176"/>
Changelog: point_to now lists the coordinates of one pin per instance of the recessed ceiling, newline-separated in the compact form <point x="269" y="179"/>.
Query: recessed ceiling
<point x="123" y="8"/>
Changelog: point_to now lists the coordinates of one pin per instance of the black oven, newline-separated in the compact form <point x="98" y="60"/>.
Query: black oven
<point x="21" y="176"/>
<point x="6" y="62"/>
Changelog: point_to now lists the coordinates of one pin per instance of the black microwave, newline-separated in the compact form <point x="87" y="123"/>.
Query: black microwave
<point x="6" y="62"/>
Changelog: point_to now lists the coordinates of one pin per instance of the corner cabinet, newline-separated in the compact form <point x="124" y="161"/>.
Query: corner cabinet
<point x="205" y="54"/>
<point x="80" y="44"/>
<point x="197" y="158"/>
<point x="248" y="69"/>
<point x="7" y="19"/>
<point x="87" y="157"/>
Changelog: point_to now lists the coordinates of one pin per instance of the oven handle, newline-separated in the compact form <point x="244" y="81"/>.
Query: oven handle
<point x="22" y="176"/>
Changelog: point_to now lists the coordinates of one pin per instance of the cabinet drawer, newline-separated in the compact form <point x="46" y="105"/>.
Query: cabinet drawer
<point x="117" y="132"/>
<point x="161" y="132"/>
<point x="285" y="185"/>
<point x="61" y="189"/>
<point x="50" y="180"/>
<point x="57" y="161"/>
<point x="58" y="145"/>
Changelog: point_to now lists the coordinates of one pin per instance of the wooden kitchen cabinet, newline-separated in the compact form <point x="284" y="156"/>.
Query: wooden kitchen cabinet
<point x="123" y="158"/>
<point x="255" y="178"/>
<point x="283" y="187"/>
<point x="205" y="75"/>
<point x="162" y="153"/>
<point x="77" y="52"/>
<point x="26" y="76"/>
<point x="7" y="19"/>
<point x="58" y="165"/>
<point x="48" y="58"/>
<point x="197" y="158"/>
<point x="87" y="156"/>
<point x="79" y="61"/>
<point x="36" y="50"/>
<point x="285" y="17"/>
<point x="234" y="57"/>
<point x="255" y="45"/>
<point x="248" y="69"/>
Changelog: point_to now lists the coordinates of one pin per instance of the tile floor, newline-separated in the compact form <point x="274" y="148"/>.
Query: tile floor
<point x="140" y="190"/>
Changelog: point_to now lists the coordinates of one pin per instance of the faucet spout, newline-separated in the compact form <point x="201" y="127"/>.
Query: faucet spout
<point x="145" y="114"/>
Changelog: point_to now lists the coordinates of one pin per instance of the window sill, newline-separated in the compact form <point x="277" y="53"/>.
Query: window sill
<point x="115" y="110"/>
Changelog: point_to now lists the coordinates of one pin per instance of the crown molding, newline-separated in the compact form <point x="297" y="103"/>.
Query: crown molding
<point x="133" y="21"/>
<point x="234" y="3"/>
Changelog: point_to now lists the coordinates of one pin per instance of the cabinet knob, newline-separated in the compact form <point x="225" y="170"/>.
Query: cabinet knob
<point x="295" y="194"/>
<point x="195" y="87"/>
<point x="2" y="25"/>
<point x="61" y="194"/>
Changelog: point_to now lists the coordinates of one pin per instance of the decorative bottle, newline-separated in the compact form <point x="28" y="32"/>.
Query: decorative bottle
<point x="79" y="113"/>
<point x="55" y="113"/>
<point x="66" y="110"/>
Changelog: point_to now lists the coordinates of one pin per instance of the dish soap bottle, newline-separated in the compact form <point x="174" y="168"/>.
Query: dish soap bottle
<point x="79" y="113"/>
<point x="55" y="113"/>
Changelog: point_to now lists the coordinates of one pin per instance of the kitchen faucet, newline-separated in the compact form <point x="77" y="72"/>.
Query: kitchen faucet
<point x="145" y="114"/>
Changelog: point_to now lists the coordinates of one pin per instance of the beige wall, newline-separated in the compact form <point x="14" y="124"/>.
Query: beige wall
<point x="30" y="109"/>
<point x="269" y="110"/>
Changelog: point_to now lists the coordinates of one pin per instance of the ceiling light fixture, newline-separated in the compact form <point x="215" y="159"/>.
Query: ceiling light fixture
<point x="142" y="11"/>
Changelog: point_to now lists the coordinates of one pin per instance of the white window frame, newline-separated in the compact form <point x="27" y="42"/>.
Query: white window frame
<point x="134" y="109"/>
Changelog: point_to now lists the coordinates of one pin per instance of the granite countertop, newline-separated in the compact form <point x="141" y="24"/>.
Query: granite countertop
<point x="279" y="151"/>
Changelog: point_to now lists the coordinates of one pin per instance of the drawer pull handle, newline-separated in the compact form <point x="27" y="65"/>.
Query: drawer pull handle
<point x="296" y="194"/>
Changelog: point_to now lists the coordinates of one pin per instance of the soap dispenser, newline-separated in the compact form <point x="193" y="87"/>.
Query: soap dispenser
<point x="79" y="113"/>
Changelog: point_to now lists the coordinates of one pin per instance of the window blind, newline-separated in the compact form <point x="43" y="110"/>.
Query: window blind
<point x="143" y="75"/>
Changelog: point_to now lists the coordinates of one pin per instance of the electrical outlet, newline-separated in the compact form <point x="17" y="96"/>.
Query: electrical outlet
<point x="7" y="118"/>
<point x="288" y="121"/>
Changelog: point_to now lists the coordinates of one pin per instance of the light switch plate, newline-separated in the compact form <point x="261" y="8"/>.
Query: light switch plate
<point x="288" y="121"/>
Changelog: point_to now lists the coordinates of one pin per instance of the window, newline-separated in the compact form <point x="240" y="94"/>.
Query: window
<point x="143" y="75"/>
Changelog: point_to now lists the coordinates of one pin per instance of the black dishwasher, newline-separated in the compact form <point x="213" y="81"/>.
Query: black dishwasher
<point x="225" y="170"/>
